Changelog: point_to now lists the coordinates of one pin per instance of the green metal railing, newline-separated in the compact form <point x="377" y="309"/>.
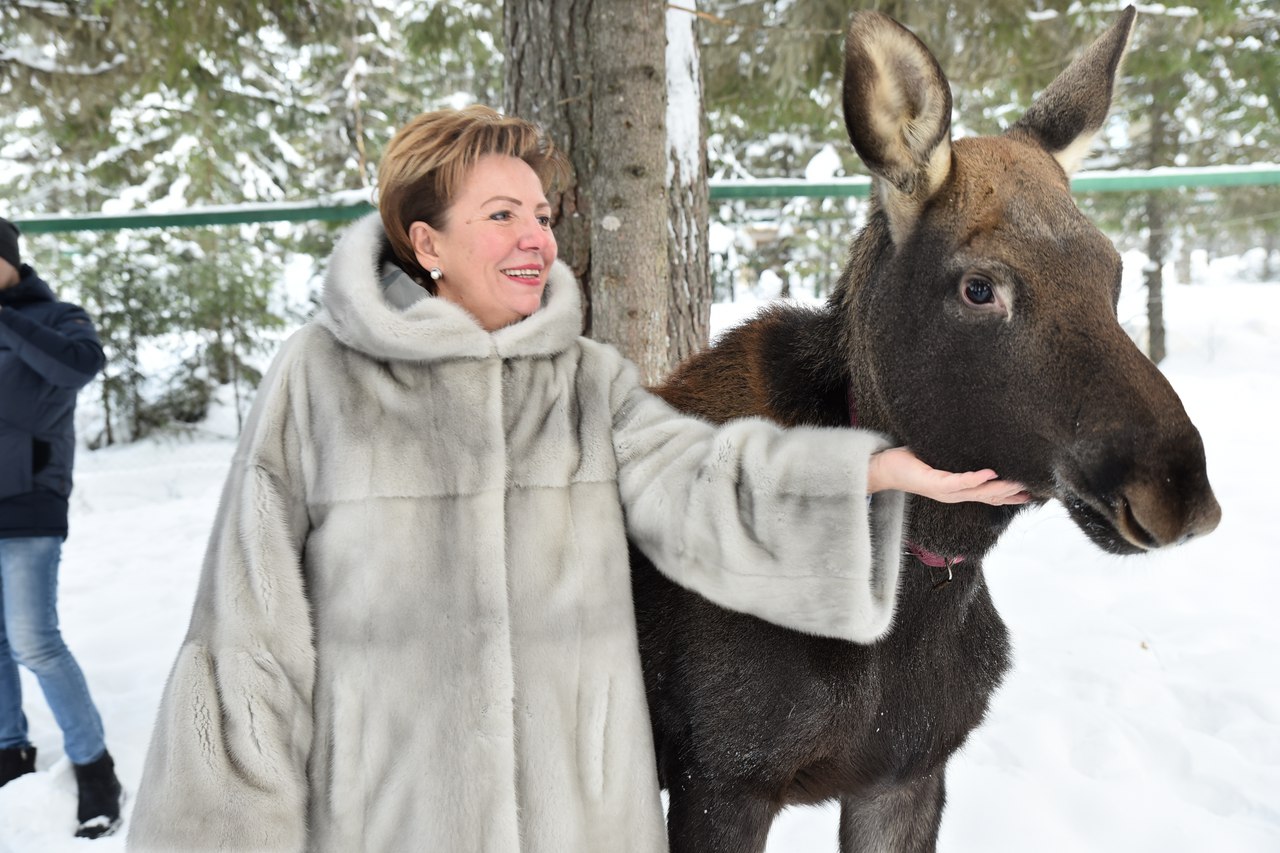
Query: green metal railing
<point x="1084" y="182"/>
<point x="335" y="210"/>
<point x="344" y="207"/>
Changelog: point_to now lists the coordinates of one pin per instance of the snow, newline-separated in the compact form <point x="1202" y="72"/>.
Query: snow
<point x="720" y="238"/>
<point x="31" y="56"/>
<point x="684" y="96"/>
<point x="1167" y="11"/>
<point x="1142" y="713"/>
<point x="824" y="165"/>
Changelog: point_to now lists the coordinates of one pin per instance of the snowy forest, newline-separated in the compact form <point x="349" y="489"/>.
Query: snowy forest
<point x="122" y="105"/>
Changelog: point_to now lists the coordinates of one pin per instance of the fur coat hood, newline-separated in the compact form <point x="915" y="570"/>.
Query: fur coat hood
<point x="414" y="629"/>
<point x="433" y="329"/>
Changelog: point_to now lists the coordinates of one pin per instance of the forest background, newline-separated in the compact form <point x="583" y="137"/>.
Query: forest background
<point x="119" y="105"/>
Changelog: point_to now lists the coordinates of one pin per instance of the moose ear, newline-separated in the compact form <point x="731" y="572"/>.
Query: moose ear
<point x="1068" y="115"/>
<point x="897" y="109"/>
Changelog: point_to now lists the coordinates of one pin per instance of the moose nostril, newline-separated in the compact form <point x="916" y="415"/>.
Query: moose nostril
<point x="1132" y="527"/>
<point x="1153" y="517"/>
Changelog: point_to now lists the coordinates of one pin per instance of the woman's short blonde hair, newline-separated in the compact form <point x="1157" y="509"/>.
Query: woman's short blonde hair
<point x="426" y="162"/>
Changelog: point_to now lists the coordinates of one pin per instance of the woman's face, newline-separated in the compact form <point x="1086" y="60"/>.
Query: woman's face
<point x="496" y="247"/>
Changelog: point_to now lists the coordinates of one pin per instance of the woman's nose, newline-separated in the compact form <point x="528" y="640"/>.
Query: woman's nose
<point x="535" y="236"/>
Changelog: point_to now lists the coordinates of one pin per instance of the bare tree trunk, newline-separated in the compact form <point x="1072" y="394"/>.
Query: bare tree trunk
<point x="1183" y="268"/>
<point x="1153" y="275"/>
<point x="1270" y="243"/>
<point x="629" y="186"/>
<point x="688" y="259"/>
<point x="593" y="75"/>
<point x="355" y="78"/>
<point x="1158" y="222"/>
<point x="109" y="434"/>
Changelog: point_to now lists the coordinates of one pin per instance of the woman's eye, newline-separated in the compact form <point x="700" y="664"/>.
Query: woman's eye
<point x="501" y="216"/>
<point x="979" y="291"/>
<point x="544" y="221"/>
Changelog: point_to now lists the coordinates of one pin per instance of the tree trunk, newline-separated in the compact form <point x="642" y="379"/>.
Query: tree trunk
<point x="354" y="99"/>
<point x="1269" y="246"/>
<point x="687" y="252"/>
<point x="1183" y="269"/>
<point x="1158" y="223"/>
<point x="629" y="186"/>
<point x="593" y="75"/>
<point x="109" y="437"/>
<point x="1153" y="275"/>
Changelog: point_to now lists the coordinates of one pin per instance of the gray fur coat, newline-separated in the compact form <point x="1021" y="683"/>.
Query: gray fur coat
<point x="414" y="628"/>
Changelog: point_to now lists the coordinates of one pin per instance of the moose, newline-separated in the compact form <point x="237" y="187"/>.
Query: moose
<point x="975" y="322"/>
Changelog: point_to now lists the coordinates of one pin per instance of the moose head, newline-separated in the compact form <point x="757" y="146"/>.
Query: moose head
<point x="981" y="307"/>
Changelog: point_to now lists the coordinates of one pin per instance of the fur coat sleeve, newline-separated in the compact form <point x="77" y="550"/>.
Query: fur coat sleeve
<point x="768" y="521"/>
<point x="227" y="765"/>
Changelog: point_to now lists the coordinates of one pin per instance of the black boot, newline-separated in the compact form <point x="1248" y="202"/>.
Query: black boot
<point x="16" y="762"/>
<point x="99" y="811"/>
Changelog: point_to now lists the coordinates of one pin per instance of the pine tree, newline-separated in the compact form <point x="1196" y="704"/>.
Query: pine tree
<point x="1194" y="93"/>
<point x="141" y="103"/>
<point x="116" y="282"/>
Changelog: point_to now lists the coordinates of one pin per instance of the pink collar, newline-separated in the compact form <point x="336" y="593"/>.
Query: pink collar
<point x="925" y="556"/>
<point x="935" y="561"/>
<point x="932" y="560"/>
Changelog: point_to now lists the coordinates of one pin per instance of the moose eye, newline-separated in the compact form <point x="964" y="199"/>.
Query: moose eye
<point x="979" y="291"/>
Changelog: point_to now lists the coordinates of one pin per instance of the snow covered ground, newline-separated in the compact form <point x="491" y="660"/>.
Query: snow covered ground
<point x="1143" y="712"/>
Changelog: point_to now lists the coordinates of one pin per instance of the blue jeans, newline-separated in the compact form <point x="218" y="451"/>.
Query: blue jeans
<point x="29" y="636"/>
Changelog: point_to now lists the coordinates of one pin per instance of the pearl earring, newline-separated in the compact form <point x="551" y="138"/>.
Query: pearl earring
<point x="435" y="274"/>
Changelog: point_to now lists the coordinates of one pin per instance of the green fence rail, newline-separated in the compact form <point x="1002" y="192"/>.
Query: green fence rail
<point x="199" y="217"/>
<point x="1084" y="182"/>
<point x="349" y="206"/>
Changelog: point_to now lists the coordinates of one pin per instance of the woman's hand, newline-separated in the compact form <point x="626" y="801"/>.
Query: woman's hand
<point x="899" y="468"/>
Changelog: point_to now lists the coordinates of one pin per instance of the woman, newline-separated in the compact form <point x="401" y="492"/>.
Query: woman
<point x="414" y="629"/>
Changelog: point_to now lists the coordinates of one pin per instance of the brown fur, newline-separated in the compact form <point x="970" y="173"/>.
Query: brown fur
<point x="749" y="717"/>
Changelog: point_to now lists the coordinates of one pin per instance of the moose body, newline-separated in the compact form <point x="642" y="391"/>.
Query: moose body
<point x="974" y="322"/>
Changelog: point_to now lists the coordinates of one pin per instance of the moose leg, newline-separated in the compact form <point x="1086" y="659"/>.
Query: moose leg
<point x="894" y="818"/>
<point x="703" y="820"/>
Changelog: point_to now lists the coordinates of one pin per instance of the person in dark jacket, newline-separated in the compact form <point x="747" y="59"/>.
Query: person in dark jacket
<point x="49" y="350"/>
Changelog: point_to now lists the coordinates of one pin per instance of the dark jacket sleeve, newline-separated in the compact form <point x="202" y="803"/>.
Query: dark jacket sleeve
<point x="66" y="354"/>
